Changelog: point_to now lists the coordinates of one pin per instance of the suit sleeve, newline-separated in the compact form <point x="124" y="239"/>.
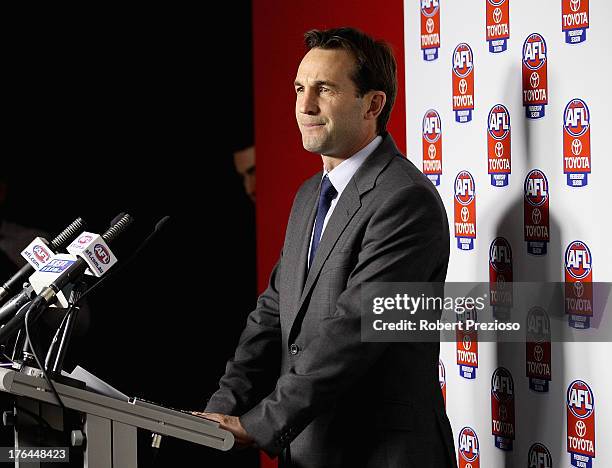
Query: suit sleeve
<point x="255" y="355"/>
<point x="405" y="240"/>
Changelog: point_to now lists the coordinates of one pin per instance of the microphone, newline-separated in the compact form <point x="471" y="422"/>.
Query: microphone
<point x="37" y="248"/>
<point x="92" y="251"/>
<point x="11" y="307"/>
<point x="99" y="259"/>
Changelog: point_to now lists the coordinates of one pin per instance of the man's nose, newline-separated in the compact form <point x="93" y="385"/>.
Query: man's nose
<point x="307" y="102"/>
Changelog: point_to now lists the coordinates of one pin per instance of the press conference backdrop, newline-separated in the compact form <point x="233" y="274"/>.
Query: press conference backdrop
<point x="508" y="112"/>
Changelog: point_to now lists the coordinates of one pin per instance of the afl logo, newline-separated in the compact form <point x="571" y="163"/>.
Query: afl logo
<point x="502" y="385"/>
<point x="41" y="253"/>
<point x="102" y="254"/>
<point x="578" y="260"/>
<point x="463" y="62"/>
<point x="576" y="118"/>
<point x="539" y="456"/>
<point x="536" y="188"/>
<point x="85" y="239"/>
<point x="464" y="188"/>
<point x="432" y="126"/>
<point x="500" y="255"/>
<point x="580" y="400"/>
<point x="499" y="122"/>
<point x="429" y="7"/>
<point x="534" y="51"/>
<point x="469" y="449"/>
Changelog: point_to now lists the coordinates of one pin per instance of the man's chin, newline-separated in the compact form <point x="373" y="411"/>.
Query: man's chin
<point x="313" y="146"/>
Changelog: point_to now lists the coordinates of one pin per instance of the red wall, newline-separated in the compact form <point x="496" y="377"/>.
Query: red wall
<point x="282" y="163"/>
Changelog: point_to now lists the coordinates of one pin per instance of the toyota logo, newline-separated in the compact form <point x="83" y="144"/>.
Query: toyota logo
<point x="536" y="216"/>
<point x="576" y="147"/>
<point x="462" y="86"/>
<point x="578" y="289"/>
<point x="497" y="15"/>
<point x="465" y="214"/>
<point x="499" y="149"/>
<point x="538" y="353"/>
<point x="467" y="343"/>
<point x="534" y="80"/>
<point x="575" y="5"/>
<point x="431" y="151"/>
<point x="580" y="428"/>
<point x="503" y="412"/>
<point x="429" y="25"/>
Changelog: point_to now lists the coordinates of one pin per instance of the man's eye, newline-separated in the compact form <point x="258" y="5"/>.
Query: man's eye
<point x="299" y="89"/>
<point x="323" y="89"/>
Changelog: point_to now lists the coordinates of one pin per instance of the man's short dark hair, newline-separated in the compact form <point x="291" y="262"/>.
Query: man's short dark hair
<point x="375" y="65"/>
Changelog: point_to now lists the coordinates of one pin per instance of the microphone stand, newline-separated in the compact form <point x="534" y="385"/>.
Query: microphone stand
<point x="54" y="362"/>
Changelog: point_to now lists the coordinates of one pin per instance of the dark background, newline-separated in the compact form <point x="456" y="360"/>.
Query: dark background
<point x="142" y="115"/>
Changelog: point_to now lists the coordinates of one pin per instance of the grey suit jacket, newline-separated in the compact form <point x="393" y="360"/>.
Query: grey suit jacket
<point x="335" y="400"/>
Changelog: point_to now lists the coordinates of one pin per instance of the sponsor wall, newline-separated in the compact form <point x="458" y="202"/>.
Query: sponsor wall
<point x="508" y="111"/>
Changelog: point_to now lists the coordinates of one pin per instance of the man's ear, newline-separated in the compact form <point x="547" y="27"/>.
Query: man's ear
<point x="376" y="100"/>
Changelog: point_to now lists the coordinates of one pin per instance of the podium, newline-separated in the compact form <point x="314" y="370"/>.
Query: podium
<point x="106" y="427"/>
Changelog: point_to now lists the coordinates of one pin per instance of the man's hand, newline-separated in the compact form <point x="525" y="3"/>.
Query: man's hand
<point x="232" y="424"/>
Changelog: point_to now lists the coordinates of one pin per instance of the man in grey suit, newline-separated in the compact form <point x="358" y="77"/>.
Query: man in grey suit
<point x="369" y="216"/>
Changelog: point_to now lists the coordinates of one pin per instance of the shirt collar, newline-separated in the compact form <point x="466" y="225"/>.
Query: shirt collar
<point x="343" y="172"/>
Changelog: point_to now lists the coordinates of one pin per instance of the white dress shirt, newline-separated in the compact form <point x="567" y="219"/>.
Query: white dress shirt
<point x="340" y="177"/>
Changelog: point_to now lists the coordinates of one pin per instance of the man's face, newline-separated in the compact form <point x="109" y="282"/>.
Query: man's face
<point x="244" y="161"/>
<point x="329" y="113"/>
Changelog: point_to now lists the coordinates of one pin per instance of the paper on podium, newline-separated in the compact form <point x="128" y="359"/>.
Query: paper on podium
<point x="95" y="384"/>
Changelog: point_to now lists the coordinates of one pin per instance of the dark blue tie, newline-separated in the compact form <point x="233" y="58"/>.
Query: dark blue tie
<point x="327" y="194"/>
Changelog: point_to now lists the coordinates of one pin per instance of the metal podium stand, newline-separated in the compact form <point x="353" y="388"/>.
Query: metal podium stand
<point x="110" y="425"/>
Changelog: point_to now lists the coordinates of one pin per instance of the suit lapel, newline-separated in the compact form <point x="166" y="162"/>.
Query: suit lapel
<point x="304" y="234"/>
<point x="345" y="209"/>
<point x="348" y="204"/>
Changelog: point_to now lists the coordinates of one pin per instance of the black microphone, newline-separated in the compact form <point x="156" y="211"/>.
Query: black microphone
<point x="48" y="295"/>
<point x="8" y="310"/>
<point x="61" y="241"/>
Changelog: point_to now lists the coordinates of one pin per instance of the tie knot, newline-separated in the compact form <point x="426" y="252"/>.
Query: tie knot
<point x="327" y="189"/>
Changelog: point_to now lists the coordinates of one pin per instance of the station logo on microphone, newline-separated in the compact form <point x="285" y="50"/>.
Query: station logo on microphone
<point x="539" y="456"/>
<point x="535" y="210"/>
<point x="580" y="424"/>
<point x="463" y="82"/>
<point x="498" y="25"/>
<point x="574" y="20"/>
<point x="37" y="254"/>
<point x="430" y="29"/>
<point x="535" y="76"/>
<point x="465" y="210"/>
<point x="102" y="254"/>
<point x="41" y="253"/>
<point x="498" y="145"/>
<point x="432" y="146"/>
<point x="57" y="265"/>
<point x="577" y="143"/>
<point x="469" y="448"/>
